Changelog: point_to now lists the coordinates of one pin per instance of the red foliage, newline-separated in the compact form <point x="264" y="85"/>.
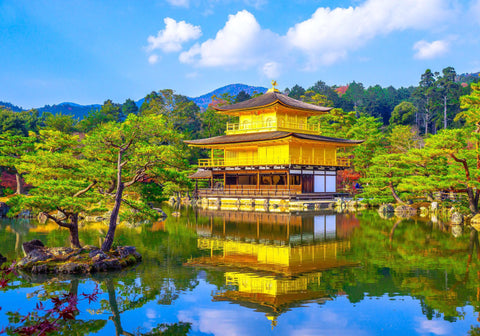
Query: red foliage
<point x="348" y="179"/>
<point x="8" y="181"/>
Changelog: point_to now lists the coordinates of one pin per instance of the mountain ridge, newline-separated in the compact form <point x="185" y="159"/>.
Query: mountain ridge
<point x="80" y="111"/>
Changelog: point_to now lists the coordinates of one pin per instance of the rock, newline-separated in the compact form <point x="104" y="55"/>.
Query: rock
<point x="32" y="245"/>
<point x="62" y="252"/>
<point x="125" y="251"/>
<point x="99" y="257"/>
<point x="42" y="218"/>
<point x="405" y="211"/>
<point x="434" y="206"/>
<point x="107" y="264"/>
<point x="475" y="219"/>
<point x="176" y="214"/>
<point x="35" y="256"/>
<point x="3" y="209"/>
<point x="73" y="268"/>
<point x="161" y="212"/>
<point x="385" y="208"/>
<point x="60" y="215"/>
<point x="457" y="218"/>
<point x="457" y="230"/>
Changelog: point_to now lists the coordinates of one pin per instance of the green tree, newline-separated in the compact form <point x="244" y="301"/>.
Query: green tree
<point x="180" y="112"/>
<point x="355" y="96"/>
<point x="129" y="107"/>
<point x="384" y="175"/>
<point x="61" y="122"/>
<point x="312" y="97"/>
<point x="19" y="123"/>
<point x="296" y="92"/>
<point x="242" y="96"/>
<point x="426" y="96"/>
<point x="141" y="147"/>
<point x="368" y="129"/>
<point x="403" y="114"/>
<point x="463" y="160"/>
<point x="62" y="181"/>
<point x="449" y="91"/>
<point x="108" y="112"/>
<point x="13" y="148"/>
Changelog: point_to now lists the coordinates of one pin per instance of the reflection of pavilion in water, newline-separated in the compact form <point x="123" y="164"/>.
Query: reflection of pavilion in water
<point x="273" y="261"/>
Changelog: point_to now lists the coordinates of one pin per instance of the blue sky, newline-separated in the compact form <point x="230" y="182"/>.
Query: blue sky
<point x="87" y="51"/>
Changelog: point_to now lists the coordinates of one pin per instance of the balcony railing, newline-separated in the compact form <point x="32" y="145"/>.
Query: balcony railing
<point x="280" y="125"/>
<point x="273" y="162"/>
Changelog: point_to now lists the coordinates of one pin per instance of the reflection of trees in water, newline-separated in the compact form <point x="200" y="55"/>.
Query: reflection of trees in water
<point x="120" y="292"/>
<point x="420" y="259"/>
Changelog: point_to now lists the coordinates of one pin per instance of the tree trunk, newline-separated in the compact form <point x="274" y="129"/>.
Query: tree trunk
<point x="74" y="240"/>
<point x="107" y="244"/>
<point x="445" y="112"/>
<point x="395" y="195"/>
<point x="472" y="201"/>
<point x="18" y="178"/>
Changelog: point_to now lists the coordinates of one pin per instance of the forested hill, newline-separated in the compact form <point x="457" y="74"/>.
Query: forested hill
<point x="232" y="90"/>
<point x="10" y="106"/>
<point x="76" y="110"/>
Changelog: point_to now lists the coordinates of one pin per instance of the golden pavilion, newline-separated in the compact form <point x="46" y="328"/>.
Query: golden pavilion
<point x="272" y="152"/>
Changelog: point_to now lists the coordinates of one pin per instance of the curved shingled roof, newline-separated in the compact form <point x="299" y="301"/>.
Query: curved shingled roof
<point x="265" y="136"/>
<point x="270" y="98"/>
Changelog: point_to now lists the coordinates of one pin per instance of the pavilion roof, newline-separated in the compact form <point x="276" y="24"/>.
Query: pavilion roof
<point x="271" y="98"/>
<point x="266" y="136"/>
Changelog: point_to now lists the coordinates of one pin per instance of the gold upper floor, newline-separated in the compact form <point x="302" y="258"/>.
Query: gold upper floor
<point x="273" y="118"/>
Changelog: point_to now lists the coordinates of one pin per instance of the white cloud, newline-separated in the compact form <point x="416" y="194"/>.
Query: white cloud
<point x="173" y="36"/>
<point x="329" y="35"/>
<point x="429" y="50"/>
<point x="241" y="42"/>
<point x="435" y="327"/>
<point x="271" y="69"/>
<point x="179" y="3"/>
<point x="152" y="59"/>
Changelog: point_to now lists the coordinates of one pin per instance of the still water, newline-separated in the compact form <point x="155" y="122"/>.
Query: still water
<point x="243" y="273"/>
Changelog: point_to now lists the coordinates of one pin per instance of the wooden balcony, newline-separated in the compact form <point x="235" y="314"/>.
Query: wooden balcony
<point x="251" y="191"/>
<point x="233" y="162"/>
<point x="280" y="191"/>
<point x="236" y="128"/>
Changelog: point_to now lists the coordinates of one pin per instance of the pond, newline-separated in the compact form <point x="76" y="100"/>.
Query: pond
<point x="246" y="273"/>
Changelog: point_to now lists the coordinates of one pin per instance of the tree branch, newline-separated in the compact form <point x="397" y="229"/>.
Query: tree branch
<point x="81" y="192"/>
<point x="56" y="220"/>
<point x="464" y="163"/>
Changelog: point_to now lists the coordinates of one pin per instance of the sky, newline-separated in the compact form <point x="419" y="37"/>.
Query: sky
<point x="88" y="51"/>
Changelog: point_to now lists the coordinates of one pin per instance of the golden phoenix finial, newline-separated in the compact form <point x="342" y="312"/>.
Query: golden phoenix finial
<point x="274" y="83"/>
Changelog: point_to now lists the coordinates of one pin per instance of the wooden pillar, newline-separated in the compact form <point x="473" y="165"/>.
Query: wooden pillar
<point x="224" y="180"/>
<point x="258" y="180"/>
<point x="288" y="181"/>
<point x="301" y="181"/>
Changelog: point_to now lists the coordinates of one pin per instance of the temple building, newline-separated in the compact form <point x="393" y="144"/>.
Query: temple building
<point x="272" y="153"/>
